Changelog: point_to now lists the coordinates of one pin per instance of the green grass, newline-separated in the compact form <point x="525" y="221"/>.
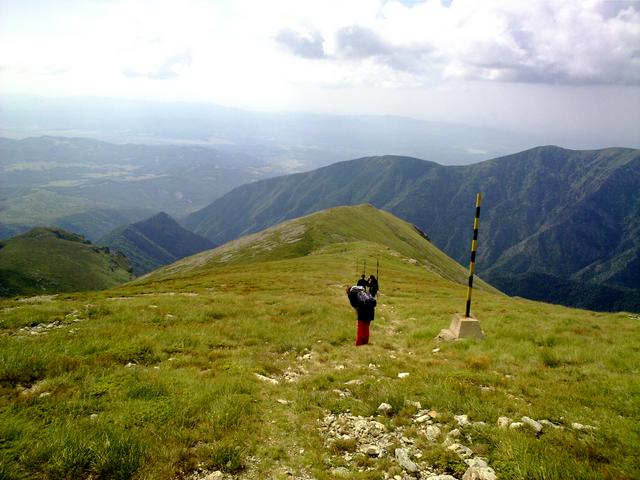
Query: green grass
<point x="159" y="377"/>
<point x="47" y="260"/>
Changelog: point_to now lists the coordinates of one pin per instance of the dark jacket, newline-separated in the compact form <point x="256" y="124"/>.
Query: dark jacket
<point x="364" y="303"/>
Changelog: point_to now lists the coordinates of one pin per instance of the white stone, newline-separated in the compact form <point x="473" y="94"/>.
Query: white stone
<point x="402" y="456"/>
<point x="503" y="422"/>
<point x="372" y="450"/>
<point x="579" y="426"/>
<point x="516" y="425"/>
<point x="270" y="380"/>
<point x="455" y="433"/>
<point x="549" y="424"/>
<point x="433" y="433"/>
<point x="461" y="450"/>
<point x="532" y="423"/>
<point x="422" y="418"/>
<point x="403" y="374"/>
<point x="479" y="470"/>
<point x="435" y="350"/>
<point x="385" y="408"/>
<point x="441" y="477"/>
<point x="217" y="475"/>
<point x="411" y="403"/>
<point x="463" y="420"/>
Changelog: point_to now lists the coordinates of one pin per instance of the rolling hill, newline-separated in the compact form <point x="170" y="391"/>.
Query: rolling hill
<point x="154" y="242"/>
<point x="239" y="363"/>
<point x="50" y="260"/>
<point x="571" y="215"/>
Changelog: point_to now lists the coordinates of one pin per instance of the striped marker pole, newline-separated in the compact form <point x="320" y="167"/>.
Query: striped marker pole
<point x="474" y="246"/>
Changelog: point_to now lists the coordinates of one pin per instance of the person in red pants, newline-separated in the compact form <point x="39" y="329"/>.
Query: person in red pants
<point x="365" y="306"/>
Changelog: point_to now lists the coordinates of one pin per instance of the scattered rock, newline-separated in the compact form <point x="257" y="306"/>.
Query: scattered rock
<point x="422" y="418"/>
<point x="340" y="472"/>
<point x="385" y="409"/>
<point x="433" y="414"/>
<point x="402" y="456"/>
<point x="435" y="350"/>
<point x="441" y="477"/>
<point x="410" y="403"/>
<point x="283" y="402"/>
<point x="130" y="365"/>
<point x="532" y="423"/>
<point x="516" y="425"/>
<point x="403" y="374"/>
<point x="93" y="416"/>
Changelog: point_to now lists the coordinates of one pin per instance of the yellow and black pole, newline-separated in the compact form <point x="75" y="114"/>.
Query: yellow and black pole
<point x="474" y="247"/>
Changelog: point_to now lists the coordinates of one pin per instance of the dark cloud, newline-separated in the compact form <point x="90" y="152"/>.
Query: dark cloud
<point x="306" y="46"/>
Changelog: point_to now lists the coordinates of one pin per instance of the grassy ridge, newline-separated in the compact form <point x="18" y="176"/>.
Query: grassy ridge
<point x="158" y="377"/>
<point x="46" y="260"/>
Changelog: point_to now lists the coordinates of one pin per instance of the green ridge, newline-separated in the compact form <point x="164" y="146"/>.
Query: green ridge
<point x="48" y="260"/>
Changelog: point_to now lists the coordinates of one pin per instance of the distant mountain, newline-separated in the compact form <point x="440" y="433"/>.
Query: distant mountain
<point x="572" y="215"/>
<point x="296" y="140"/>
<point x="90" y="186"/>
<point x="50" y="260"/>
<point x="154" y="242"/>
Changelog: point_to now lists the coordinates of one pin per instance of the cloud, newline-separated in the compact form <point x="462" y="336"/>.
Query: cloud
<point x="587" y="42"/>
<point x="306" y="45"/>
<point x="160" y="68"/>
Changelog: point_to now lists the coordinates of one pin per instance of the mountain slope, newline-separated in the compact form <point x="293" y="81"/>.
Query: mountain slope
<point x="569" y="214"/>
<point x="245" y="363"/>
<point x="154" y="242"/>
<point x="47" y="260"/>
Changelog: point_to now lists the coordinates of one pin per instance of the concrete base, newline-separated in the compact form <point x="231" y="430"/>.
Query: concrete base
<point x="465" y="327"/>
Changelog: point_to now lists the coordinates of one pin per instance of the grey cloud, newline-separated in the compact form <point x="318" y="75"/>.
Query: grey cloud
<point x="168" y="69"/>
<point x="356" y="42"/>
<point x="300" y="45"/>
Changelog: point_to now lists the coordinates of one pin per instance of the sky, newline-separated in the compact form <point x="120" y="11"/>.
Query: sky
<point x="537" y="66"/>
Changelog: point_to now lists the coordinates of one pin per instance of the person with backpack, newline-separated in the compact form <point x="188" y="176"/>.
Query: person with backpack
<point x="365" y="306"/>
<point x="373" y="285"/>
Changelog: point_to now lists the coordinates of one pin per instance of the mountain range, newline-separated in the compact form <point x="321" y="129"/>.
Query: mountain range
<point x="52" y="260"/>
<point x="154" y="242"/>
<point x="573" y="216"/>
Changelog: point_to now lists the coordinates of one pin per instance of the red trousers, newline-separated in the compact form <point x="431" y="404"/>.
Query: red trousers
<point x="362" y="335"/>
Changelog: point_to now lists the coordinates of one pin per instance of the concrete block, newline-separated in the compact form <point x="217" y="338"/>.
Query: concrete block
<point x="465" y="327"/>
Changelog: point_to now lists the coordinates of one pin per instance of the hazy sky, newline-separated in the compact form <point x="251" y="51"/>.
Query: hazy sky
<point x="538" y="66"/>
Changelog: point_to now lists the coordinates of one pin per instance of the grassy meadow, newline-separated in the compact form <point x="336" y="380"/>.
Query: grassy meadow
<point x="157" y="379"/>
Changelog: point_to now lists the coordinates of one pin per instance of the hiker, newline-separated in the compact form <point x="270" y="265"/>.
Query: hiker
<point x="363" y="282"/>
<point x="365" y="306"/>
<point x="373" y="285"/>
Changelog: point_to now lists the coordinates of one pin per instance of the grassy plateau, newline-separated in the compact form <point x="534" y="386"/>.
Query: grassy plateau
<point x="164" y="377"/>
